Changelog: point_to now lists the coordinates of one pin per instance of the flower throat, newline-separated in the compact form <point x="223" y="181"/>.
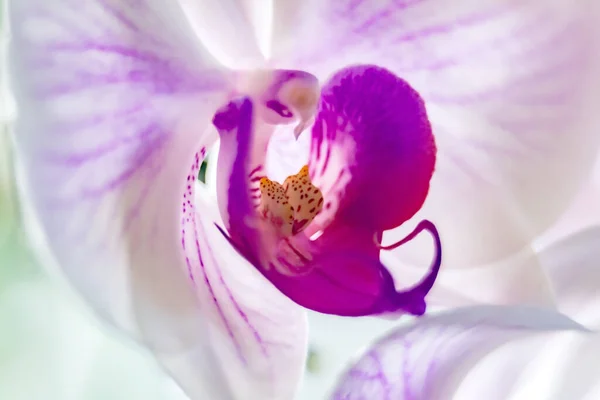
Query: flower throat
<point x="292" y="206"/>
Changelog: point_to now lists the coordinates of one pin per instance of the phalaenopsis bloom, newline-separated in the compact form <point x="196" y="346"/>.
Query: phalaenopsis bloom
<point x="470" y="120"/>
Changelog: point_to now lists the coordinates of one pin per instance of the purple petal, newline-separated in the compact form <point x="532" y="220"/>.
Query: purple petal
<point x="114" y="102"/>
<point x="372" y="151"/>
<point x="510" y="89"/>
<point x="340" y="272"/>
<point x="435" y="357"/>
<point x="347" y="278"/>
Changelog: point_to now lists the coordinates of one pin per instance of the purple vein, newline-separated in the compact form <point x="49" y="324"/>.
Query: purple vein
<point x="120" y="50"/>
<point x="214" y="297"/>
<point x="119" y="16"/>
<point x="101" y="151"/>
<point x="236" y="305"/>
<point x="127" y="173"/>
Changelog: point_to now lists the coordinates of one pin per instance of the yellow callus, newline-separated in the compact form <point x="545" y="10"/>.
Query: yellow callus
<point x="292" y="206"/>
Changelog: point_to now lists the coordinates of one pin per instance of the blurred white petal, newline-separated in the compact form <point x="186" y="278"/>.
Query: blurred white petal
<point x="478" y="352"/>
<point x="516" y="279"/>
<point x="583" y="212"/>
<point x="573" y="266"/>
<point x="230" y="29"/>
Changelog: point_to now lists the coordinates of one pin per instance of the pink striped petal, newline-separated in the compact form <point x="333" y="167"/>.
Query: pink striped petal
<point x="114" y="100"/>
<point x="510" y="90"/>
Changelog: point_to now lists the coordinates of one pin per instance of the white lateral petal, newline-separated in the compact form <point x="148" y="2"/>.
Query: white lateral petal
<point x="114" y="98"/>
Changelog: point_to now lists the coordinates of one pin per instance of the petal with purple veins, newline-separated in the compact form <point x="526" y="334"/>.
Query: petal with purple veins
<point x="114" y="100"/>
<point x="466" y="353"/>
<point x="264" y="336"/>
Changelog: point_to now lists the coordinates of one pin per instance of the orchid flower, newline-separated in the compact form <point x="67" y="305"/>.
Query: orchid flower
<point x="119" y="102"/>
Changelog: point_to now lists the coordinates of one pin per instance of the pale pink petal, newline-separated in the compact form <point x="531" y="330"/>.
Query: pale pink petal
<point x="114" y="99"/>
<point x="510" y="88"/>
<point x="478" y="352"/>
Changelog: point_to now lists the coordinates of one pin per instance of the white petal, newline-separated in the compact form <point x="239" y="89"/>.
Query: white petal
<point x="572" y="266"/>
<point x="517" y="279"/>
<point x="230" y="29"/>
<point x="114" y="99"/>
<point x="52" y="349"/>
<point x="582" y="212"/>
<point x="464" y="354"/>
<point x="266" y="331"/>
